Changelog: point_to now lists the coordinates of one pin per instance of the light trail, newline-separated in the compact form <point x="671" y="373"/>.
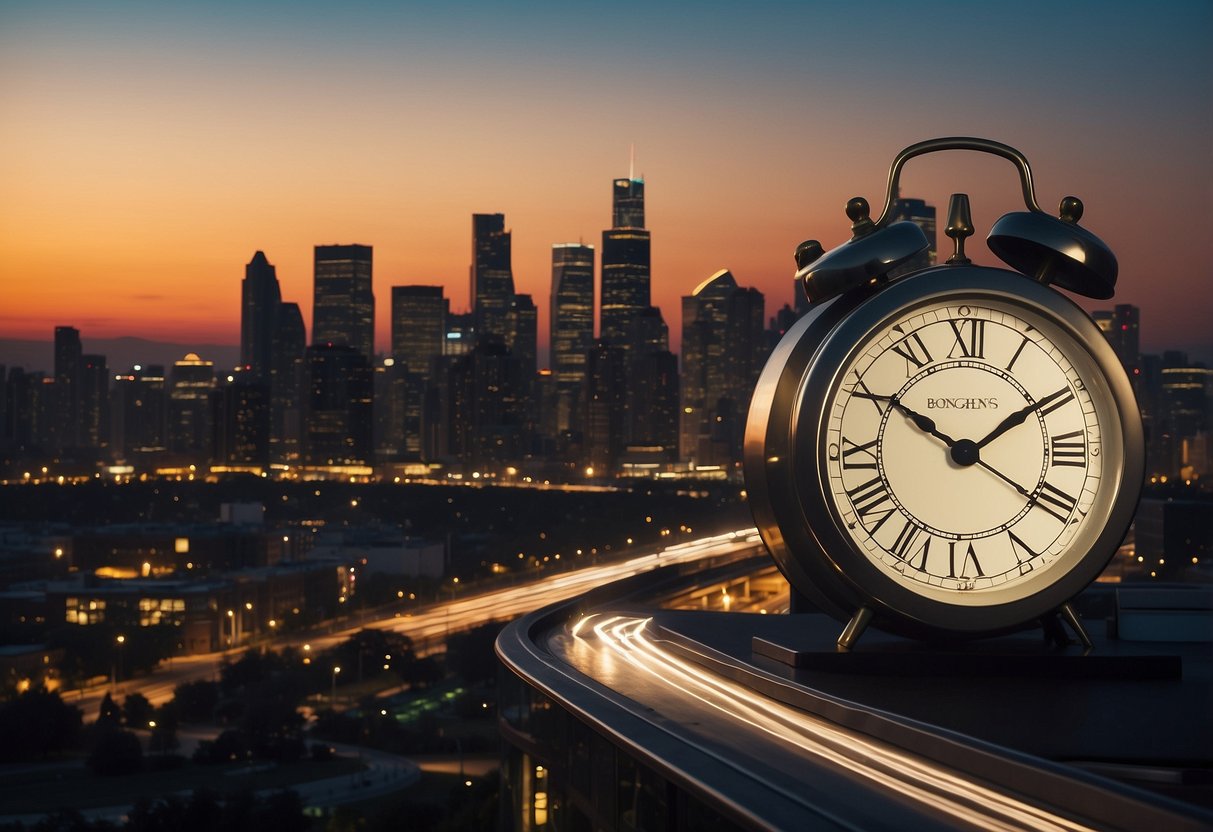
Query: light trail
<point x="510" y="602"/>
<point x="911" y="776"/>
<point x="428" y="628"/>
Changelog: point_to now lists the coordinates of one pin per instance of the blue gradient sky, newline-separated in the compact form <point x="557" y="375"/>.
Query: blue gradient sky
<point x="147" y="152"/>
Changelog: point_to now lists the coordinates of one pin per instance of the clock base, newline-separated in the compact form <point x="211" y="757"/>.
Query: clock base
<point x="966" y="660"/>
<point x="1054" y="631"/>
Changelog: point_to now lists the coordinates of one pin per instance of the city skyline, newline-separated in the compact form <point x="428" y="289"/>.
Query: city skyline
<point x="152" y="152"/>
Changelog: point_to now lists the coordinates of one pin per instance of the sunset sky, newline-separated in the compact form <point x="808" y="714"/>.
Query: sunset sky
<point x="148" y="149"/>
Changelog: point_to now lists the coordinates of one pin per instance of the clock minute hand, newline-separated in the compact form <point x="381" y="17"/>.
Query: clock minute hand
<point x="924" y="423"/>
<point x="1018" y="417"/>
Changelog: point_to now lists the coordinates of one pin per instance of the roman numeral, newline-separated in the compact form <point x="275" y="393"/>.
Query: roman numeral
<point x="1052" y="499"/>
<point x="1055" y="402"/>
<point x="970" y="555"/>
<point x="914" y="351"/>
<point x="1068" y="449"/>
<point x="1018" y="350"/>
<point x="865" y="393"/>
<point x="903" y="546"/>
<point x="970" y="338"/>
<point x="858" y="456"/>
<point x="870" y="498"/>
<point x="1017" y="546"/>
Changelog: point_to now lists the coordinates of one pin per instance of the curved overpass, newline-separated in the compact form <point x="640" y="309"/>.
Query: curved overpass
<point x="687" y="725"/>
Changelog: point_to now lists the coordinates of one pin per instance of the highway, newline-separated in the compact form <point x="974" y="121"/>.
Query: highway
<point x="428" y="627"/>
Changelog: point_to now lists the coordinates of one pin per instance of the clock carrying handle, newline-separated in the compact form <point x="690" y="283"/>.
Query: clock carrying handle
<point x="1051" y="250"/>
<point x="957" y="143"/>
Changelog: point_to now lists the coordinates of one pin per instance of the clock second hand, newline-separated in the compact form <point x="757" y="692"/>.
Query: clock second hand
<point x="1006" y="479"/>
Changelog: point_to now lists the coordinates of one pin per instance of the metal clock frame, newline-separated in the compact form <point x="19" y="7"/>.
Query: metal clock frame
<point x="785" y="459"/>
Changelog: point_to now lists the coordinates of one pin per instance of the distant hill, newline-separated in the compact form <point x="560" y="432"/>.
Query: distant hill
<point x="120" y="353"/>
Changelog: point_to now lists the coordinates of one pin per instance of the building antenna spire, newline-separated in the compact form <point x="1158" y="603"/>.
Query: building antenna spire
<point x="632" y="162"/>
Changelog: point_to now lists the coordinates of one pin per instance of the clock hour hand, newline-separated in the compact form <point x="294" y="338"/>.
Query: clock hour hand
<point x="923" y="423"/>
<point x="1019" y="416"/>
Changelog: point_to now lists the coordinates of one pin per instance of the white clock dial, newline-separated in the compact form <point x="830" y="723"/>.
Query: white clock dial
<point x="965" y="448"/>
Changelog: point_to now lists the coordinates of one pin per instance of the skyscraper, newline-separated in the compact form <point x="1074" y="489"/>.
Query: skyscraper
<point x="344" y="301"/>
<point x="571" y="320"/>
<point x="1126" y="339"/>
<point x="492" y="276"/>
<point x="272" y="340"/>
<point x="139" y="412"/>
<point x="522" y="337"/>
<point x="652" y="399"/>
<point x="603" y="414"/>
<point x="418" y="326"/>
<point x="190" y="386"/>
<point x="286" y="382"/>
<point x="94" y="402"/>
<point x="240" y="422"/>
<point x="1121" y="326"/>
<point x="338" y="416"/>
<point x="723" y="347"/>
<point x="627" y="203"/>
<point x="625" y="263"/>
<point x="483" y="409"/>
<point x="260" y="296"/>
<point x="68" y="360"/>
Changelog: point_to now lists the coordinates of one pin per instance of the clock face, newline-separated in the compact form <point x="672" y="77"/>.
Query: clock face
<point x="965" y="445"/>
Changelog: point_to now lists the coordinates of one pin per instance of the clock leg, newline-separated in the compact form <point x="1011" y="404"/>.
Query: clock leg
<point x="1071" y="618"/>
<point x="854" y="629"/>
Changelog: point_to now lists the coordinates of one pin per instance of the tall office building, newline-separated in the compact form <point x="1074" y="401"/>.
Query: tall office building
<point x="272" y="340"/>
<point x="571" y="318"/>
<point x="286" y="384"/>
<point x="390" y="380"/>
<point x="190" y="386"/>
<point x="1126" y="339"/>
<point x="94" y="402"/>
<point x="68" y="360"/>
<point x="420" y="317"/>
<point x="240" y="422"/>
<point x="1185" y="418"/>
<point x="1121" y="326"/>
<point x="337" y="407"/>
<point x="460" y="334"/>
<point x="522" y="337"/>
<point x="723" y="348"/>
<point x="654" y="388"/>
<point x="627" y="202"/>
<point x="652" y="399"/>
<point x="492" y="275"/>
<point x="604" y="416"/>
<point x="625" y="263"/>
<point x="482" y="406"/>
<point x="260" y="296"/>
<point x="418" y="326"/>
<point x="343" y="312"/>
<point x="139" y="412"/>
<point x="28" y="409"/>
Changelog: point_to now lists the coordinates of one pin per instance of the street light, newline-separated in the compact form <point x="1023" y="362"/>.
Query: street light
<point x="333" y="693"/>
<point x="116" y="667"/>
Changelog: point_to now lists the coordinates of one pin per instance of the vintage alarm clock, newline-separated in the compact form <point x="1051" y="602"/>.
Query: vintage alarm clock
<point x="955" y="451"/>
